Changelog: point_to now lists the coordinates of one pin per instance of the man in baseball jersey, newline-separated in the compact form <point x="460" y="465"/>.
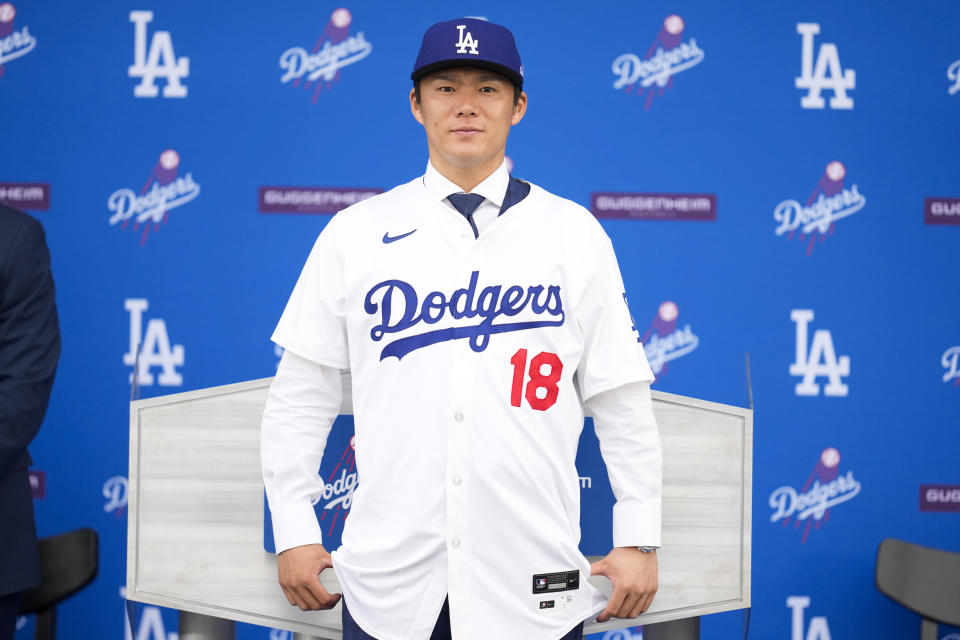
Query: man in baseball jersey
<point x="477" y="315"/>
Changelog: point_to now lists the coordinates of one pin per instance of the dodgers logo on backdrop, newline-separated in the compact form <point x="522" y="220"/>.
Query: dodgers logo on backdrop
<point x="953" y="74"/>
<point x="338" y="489"/>
<point x="151" y="349"/>
<point x="163" y="191"/>
<point x="14" y="43"/>
<point x="951" y="362"/>
<point x="820" y="360"/>
<point x="824" y="489"/>
<point x="829" y="202"/>
<point x="158" y="60"/>
<point x="335" y="49"/>
<point x="666" y="57"/>
<point x="665" y="341"/>
<point x="827" y="74"/>
<point x="400" y="309"/>
<point x="818" y="629"/>
<point x="115" y="491"/>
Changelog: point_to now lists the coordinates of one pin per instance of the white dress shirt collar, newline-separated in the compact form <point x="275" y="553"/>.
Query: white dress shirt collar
<point x="493" y="188"/>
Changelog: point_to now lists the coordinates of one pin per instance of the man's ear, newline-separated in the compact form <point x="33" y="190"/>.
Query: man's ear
<point x="519" y="109"/>
<point x="415" y="106"/>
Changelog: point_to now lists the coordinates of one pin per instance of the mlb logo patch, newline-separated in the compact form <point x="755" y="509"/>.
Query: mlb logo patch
<point x="541" y="582"/>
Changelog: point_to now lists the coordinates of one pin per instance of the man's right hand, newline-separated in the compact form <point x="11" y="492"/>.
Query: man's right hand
<point x="299" y="570"/>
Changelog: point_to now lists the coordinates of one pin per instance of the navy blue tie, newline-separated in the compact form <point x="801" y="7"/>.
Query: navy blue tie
<point x="467" y="203"/>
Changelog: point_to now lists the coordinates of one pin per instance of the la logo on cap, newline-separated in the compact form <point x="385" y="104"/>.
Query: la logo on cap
<point x="466" y="42"/>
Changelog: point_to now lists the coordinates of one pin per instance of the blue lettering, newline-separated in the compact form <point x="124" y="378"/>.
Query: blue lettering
<point x="466" y="295"/>
<point x="386" y="305"/>
<point x="510" y="300"/>
<point x="463" y="303"/>
<point x="433" y="307"/>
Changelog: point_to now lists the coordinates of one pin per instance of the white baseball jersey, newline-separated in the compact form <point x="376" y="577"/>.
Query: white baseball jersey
<point x="469" y="359"/>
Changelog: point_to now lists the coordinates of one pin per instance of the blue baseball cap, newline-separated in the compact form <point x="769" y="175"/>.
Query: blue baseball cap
<point x="469" y="42"/>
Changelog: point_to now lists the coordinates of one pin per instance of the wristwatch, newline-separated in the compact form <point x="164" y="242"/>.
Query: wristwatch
<point x="647" y="549"/>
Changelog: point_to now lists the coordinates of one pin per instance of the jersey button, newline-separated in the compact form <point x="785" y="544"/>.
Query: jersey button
<point x="455" y="543"/>
<point x="457" y="480"/>
<point x="458" y="416"/>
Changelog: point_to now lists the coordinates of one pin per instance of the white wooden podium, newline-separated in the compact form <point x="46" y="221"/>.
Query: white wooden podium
<point x="195" y="537"/>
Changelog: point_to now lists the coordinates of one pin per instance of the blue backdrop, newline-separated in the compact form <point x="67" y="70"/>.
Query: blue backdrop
<point x="823" y="136"/>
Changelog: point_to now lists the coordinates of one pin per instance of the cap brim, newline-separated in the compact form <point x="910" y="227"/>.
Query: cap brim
<point x="506" y="72"/>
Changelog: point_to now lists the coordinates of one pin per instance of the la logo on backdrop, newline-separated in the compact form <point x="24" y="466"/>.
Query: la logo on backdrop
<point x="664" y="341"/>
<point x="164" y="190"/>
<point x="817" y="359"/>
<point x="151" y="348"/>
<point x="158" y="60"/>
<point x="666" y="57"/>
<point x="826" y="73"/>
<point x="335" y="49"/>
<point x="825" y="488"/>
<point x="818" y="629"/>
<point x="14" y="43"/>
<point x="829" y="202"/>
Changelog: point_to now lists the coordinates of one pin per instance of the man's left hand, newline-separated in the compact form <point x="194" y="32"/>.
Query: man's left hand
<point x="634" y="577"/>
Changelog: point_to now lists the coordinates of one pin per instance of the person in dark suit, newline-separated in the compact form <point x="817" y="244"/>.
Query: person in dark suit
<point x="29" y="350"/>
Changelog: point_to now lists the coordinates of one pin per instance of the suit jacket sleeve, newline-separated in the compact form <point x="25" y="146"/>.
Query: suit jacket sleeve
<point x="29" y="335"/>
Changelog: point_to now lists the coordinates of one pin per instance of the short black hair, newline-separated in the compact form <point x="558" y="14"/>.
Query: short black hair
<point x="517" y="90"/>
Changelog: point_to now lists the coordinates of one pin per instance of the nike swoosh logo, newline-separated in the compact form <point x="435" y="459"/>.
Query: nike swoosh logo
<point x="387" y="238"/>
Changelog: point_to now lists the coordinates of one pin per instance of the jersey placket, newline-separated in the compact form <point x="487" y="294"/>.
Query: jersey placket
<point x="460" y="391"/>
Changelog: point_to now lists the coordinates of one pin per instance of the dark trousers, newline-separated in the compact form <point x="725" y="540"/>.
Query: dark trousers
<point x="440" y="632"/>
<point x="9" y="608"/>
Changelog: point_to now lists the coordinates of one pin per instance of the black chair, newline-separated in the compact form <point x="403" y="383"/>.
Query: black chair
<point x="922" y="579"/>
<point x="68" y="563"/>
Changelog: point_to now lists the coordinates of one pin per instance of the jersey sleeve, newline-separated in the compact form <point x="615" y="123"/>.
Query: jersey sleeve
<point x="313" y="323"/>
<point x="630" y="445"/>
<point x="303" y="401"/>
<point x="612" y="352"/>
